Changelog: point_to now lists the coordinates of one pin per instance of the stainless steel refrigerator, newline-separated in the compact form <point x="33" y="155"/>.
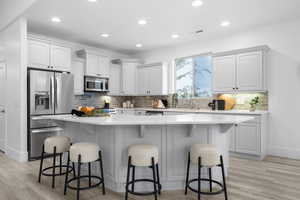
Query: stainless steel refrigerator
<point x="48" y="93"/>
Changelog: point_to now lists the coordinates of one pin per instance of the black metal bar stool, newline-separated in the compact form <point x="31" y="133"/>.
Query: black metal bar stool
<point x="143" y="155"/>
<point x="205" y="155"/>
<point x="55" y="146"/>
<point x="84" y="153"/>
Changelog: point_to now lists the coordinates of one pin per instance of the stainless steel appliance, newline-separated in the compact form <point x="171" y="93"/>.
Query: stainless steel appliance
<point x="95" y="84"/>
<point x="48" y="93"/>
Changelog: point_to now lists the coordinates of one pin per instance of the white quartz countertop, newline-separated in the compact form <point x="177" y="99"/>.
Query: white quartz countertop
<point x="188" y="110"/>
<point x="207" y="119"/>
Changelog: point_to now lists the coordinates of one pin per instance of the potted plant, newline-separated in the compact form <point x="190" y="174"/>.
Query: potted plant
<point x="253" y="103"/>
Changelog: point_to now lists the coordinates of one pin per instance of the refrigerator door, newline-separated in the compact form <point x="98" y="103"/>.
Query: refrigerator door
<point x="41" y="92"/>
<point x="64" y="92"/>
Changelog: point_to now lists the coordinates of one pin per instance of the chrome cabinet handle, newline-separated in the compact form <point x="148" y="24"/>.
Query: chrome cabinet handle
<point x="2" y="111"/>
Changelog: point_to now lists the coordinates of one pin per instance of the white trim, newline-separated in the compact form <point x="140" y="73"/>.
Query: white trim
<point x="284" y="152"/>
<point x="16" y="155"/>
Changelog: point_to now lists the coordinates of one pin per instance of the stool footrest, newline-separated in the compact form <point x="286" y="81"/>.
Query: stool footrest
<point x="206" y="180"/>
<point x="70" y="169"/>
<point x="142" y="193"/>
<point x="100" y="181"/>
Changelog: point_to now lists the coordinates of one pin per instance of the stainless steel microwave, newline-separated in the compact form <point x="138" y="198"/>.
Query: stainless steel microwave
<point x="95" y="84"/>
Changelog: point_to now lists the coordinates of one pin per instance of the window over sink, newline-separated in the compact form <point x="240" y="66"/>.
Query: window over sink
<point x="193" y="76"/>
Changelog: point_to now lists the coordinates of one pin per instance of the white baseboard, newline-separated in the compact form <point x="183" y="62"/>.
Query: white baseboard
<point x="284" y="152"/>
<point x="16" y="155"/>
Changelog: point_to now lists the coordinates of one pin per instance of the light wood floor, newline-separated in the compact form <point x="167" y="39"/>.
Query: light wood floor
<point x="272" y="179"/>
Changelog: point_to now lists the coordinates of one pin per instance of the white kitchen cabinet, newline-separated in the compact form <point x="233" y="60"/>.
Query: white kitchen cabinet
<point x="96" y="65"/>
<point x="60" y="58"/>
<point x="249" y="71"/>
<point x="142" y="81"/>
<point x="2" y="105"/>
<point x="241" y="71"/>
<point x="224" y="74"/>
<point x="152" y="79"/>
<point x="248" y="138"/>
<point x="129" y="70"/>
<point x="2" y="131"/>
<point x="38" y="54"/>
<point x="115" y="79"/>
<point x="232" y="142"/>
<point x="44" y="55"/>
<point x="78" y="73"/>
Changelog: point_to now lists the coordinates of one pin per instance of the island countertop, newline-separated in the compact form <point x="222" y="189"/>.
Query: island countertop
<point x="201" y="119"/>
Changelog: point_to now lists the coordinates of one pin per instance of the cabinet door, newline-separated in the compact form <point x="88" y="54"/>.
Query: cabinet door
<point x="155" y="84"/>
<point x="78" y="72"/>
<point x="60" y="58"/>
<point x="129" y="78"/>
<point x="250" y="71"/>
<point x="2" y="105"/>
<point x="92" y="65"/>
<point x="104" y="63"/>
<point x="232" y="138"/>
<point x="142" y="77"/>
<point x="248" y="138"/>
<point x="38" y="54"/>
<point x="2" y="131"/>
<point x="224" y="74"/>
<point x="115" y="79"/>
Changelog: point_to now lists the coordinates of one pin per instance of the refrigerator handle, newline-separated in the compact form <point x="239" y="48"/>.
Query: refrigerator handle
<point x="55" y="89"/>
<point x="51" y="93"/>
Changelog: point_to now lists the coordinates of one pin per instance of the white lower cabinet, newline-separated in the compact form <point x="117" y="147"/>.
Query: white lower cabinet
<point x="247" y="139"/>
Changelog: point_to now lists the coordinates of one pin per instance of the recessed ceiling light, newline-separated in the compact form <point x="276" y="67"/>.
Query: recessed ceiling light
<point x="92" y="0"/>
<point x="56" y="19"/>
<point x="225" y="23"/>
<point x="174" y="36"/>
<point x="138" y="45"/>
<point x="197" y="3"/>
<point x="105" y="35"/>
<point x="142" y="22"/>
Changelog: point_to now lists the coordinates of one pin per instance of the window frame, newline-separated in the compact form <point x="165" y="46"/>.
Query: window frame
<point x="193" y="56"/>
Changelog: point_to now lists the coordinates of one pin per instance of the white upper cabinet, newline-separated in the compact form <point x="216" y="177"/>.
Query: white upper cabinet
<point x="115" y="78"/>
<point x="92" y="67"/>
<point x="249" y="71"/>
<point x="122" y="77"/>
<point x="142" y="81"/>
<point x="241" y="71"/>
<point x="38" y="54"/>
<point x="96" y="65"/>
<point x="60" y="58"/>
<point x="129" y="70"/>
<point x="44" y="55"/>
<point x="152" y="79"/>
<point x="78" y="73"/>
<point x="224" y="73"/>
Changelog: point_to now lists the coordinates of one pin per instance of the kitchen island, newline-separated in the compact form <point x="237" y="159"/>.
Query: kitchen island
<point x="173" y="135"/>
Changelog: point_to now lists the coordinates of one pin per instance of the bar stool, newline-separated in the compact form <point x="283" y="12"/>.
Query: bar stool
<point x="85" y="153"/>
<point x="143" y="155"/>
<point x="55" y="146"/>
<point x="205" y="155"/>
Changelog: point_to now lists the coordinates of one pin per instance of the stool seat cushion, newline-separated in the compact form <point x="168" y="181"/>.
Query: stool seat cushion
<point x="62" y="144"/>
<point x="89" y="152"/>
<point x="208" y="153"/>
<point x="141" y="154"/>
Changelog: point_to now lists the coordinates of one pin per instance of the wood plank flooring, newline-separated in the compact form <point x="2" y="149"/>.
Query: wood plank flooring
<point x="271" y="179"/>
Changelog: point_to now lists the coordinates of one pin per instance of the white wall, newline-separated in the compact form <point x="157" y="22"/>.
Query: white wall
<point x="14" y="51"/>
<point x="283" y="76"/>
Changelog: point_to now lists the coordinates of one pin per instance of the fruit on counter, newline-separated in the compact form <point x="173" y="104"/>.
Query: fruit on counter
<point x="86" y="110"/>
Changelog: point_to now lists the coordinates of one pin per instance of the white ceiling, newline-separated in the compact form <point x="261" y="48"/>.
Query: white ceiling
<point x="11" y="10"/>
<point x="83" y="21"/>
